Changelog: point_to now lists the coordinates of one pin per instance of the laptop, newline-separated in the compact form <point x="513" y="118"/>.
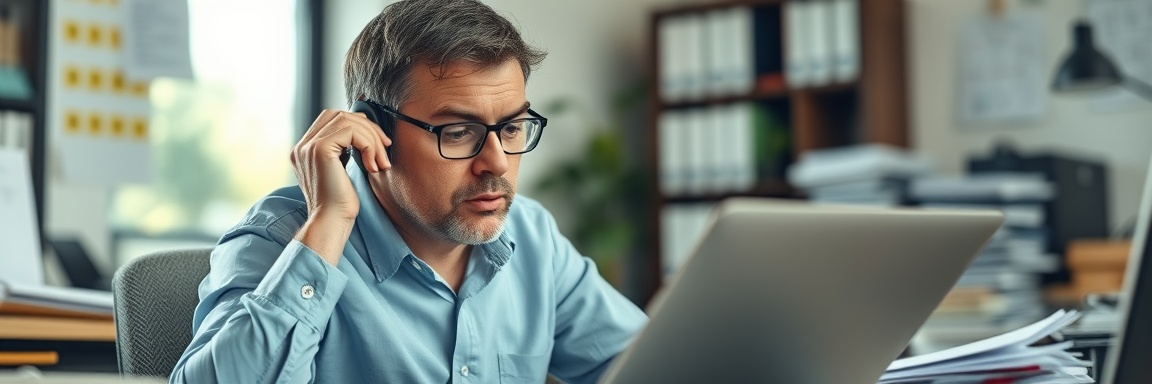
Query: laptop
<point x="1128" y="364"/>
<point x="786" y="292"/>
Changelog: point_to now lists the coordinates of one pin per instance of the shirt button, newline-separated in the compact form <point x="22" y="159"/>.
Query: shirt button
<point x="307" y="291"/>
<point x="464" y="370"/>
<point x="417" y="265"/>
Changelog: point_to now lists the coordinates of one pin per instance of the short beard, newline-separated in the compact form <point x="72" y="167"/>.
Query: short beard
<point x="451" y="226"/>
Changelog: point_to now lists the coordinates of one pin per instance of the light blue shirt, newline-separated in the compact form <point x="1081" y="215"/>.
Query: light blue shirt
<point x="271" y="310"/>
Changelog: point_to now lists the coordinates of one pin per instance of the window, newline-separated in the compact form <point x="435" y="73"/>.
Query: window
<point x="220" y="142"/>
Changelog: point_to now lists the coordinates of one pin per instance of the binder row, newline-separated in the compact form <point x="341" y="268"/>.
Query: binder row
<point x="823" y="42"/>
<point x="706" y="54"/>
<point x="736" y="50"/>
<point x="681" y="228"/>
<point x="16" y="130"/>
<point x="723" y="148"/>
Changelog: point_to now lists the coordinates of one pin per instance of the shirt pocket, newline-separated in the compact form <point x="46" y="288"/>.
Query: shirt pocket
<point x="523" y="368"/>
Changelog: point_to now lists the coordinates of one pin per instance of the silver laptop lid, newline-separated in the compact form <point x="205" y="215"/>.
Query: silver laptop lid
<point x="786" y="292"/>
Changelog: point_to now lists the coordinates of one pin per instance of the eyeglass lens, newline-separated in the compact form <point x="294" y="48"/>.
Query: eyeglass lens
<point x="466" y="139"/>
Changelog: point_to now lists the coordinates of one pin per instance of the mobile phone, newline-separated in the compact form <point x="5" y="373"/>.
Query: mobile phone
<point x="376" y="116"/>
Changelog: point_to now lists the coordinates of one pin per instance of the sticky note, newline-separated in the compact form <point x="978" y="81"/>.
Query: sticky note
<point x="140" y="89"/>
<point x="71" y="31"/>
<point x="114" y="38"/>
<point x="95" y="79"/>
<point x="119" y="85"/>
<point x="116" y="126"/>
<point x="95" y="124"/>
<point x="72" y="122"/>
<point x="95" y="35"/>
<point x="140" y="129"/>
<point x="71" y="77"/>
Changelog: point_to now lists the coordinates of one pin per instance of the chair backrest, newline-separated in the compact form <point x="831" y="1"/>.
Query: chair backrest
<point x="155" y="296"/>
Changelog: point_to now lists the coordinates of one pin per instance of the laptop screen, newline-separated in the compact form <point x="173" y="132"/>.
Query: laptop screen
<point x="1134" y="344"/>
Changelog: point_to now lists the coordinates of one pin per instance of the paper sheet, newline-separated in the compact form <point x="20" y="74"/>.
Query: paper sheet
<point x="1021" y="337"/>
<point x="1121" y="29"/>
<point x="1003" y="68"/>
<point x="20" y="258"/>
<point x="67" y="298"/>
<point x="157" y="39"/>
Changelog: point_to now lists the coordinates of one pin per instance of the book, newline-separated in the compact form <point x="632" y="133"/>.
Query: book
<point x="1015" y="357"/>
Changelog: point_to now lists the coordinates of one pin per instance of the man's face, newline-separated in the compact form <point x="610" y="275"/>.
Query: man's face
<point x="461" y="201"/>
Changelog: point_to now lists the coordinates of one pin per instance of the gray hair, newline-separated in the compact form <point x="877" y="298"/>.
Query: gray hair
<point x="429" y="32"/>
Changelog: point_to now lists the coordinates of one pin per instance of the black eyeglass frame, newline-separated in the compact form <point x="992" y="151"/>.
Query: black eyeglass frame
<point x="438" y="129"/>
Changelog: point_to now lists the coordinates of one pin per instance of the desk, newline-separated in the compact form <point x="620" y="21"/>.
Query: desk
<point x="77" y="344"/>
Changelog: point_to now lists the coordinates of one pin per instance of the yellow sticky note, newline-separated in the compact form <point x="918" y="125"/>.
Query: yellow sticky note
<point x="95" y="124"/>
<point x="95" y="79"/>
<point x="95" y="35"/>
<point x="119" y="85"/>
<point x="140" y="129"/>
<point x="71" y="77"/>
<point x="140" y="89"/>
<point x="114" y="38"/>
<point x="72" y="122"/>
<point x="71" y="31"/>
<point x="116" y="126"/>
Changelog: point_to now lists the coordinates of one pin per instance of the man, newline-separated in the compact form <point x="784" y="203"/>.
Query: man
<point x="426" y="267"/>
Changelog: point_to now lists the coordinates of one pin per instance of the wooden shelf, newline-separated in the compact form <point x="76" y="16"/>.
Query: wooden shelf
<point x="720" y="100"/>
<point x="55" y="328"/>
<point x="779" y="189"/>
<point x="722" y="4"/>
<point x="18" y="358"/>
<point x="760" y="95"/>
<point x="871" y="109"/>
<point x="18" y="105"/>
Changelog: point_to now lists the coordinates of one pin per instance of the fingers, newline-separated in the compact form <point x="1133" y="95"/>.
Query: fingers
<point x="335" y="130"/>
<point x="383" y="160"/>
<point x="369" y="145"/>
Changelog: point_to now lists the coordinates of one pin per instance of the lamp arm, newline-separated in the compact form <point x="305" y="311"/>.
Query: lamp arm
<point x="1138" y="87"/>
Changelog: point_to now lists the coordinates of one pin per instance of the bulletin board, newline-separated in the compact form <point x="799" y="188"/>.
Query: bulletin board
<point x="98" y="115"/>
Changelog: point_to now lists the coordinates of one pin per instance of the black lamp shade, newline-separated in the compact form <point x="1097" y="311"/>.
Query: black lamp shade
<point x="1085" y="68"/>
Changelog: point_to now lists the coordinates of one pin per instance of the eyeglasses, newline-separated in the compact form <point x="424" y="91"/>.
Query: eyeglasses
<point x="465" y="140"/>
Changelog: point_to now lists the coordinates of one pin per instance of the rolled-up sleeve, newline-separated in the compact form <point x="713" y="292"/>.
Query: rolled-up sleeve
<point x="263" y="309"/>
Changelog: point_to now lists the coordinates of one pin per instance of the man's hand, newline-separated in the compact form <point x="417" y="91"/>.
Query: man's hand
<point x="332" y="203"/>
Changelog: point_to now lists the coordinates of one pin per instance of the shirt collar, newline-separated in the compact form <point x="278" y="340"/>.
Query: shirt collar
<point x="385" y="249"/>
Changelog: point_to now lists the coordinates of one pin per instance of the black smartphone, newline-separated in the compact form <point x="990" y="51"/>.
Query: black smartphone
<point x="376" y="116"/>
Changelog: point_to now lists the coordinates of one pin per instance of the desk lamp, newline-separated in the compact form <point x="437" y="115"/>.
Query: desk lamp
<point x="1087" y="68"/>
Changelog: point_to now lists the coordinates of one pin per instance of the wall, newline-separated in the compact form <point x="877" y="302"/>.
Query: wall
<point x="1122" y="139"/>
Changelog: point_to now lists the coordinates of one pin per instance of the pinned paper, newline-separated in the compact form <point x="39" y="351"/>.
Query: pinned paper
<point x="1003" y="71"/>
<point x="1121" y="29"/>
<point x="157" y="39"/>
<point x="22" y="261"/>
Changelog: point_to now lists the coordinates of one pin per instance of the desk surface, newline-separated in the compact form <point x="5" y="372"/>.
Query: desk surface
<point x="16" y="327"/>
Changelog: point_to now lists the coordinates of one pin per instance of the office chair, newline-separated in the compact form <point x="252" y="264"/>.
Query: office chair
<point x="154" y="298"/>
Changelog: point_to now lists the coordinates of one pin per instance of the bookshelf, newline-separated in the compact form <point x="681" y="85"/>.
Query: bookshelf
<point x="23" y="50"/>
<point x="869" y="107"/>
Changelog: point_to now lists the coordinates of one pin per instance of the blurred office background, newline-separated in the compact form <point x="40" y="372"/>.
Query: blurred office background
<point x="959" y="92"/>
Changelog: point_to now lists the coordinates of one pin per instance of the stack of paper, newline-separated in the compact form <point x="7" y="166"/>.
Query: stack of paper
<point x="873" y="174"/>
<point x="1008" y="271"/>
<point x="1010" y="357"/>
<point x="55" y="301"/>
